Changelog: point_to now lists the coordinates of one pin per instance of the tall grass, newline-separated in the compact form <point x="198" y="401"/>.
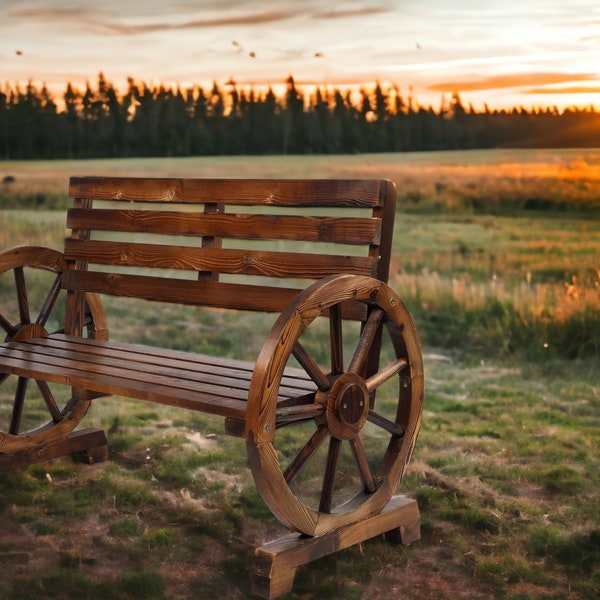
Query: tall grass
<point x="478" y="320"/>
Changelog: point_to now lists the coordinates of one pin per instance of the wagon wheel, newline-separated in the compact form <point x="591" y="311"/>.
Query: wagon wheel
<point x="32" y="305"/>
<point x="335" y="455"/>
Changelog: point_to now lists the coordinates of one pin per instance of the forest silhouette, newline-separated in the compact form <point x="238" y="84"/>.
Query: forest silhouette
<point x="228" y="120"/>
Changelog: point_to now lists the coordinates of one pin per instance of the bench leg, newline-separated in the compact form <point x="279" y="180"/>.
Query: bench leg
<point x="276" y="562"/>
<point x="89" y="445"/>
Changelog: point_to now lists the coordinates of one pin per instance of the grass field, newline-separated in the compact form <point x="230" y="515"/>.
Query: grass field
<point x="497" y="255"/>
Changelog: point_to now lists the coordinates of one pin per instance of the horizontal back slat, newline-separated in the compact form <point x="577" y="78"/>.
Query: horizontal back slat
<point x="223" y="260"/>
<point x="238" y="226"/>
<point x="182" y="291"/>
<point x="272" y="192"/>
<point x="195" y="293"/>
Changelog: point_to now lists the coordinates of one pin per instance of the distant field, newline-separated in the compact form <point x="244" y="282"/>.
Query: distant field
<point x="475" y="180"/>
<point x="519" y="164"/>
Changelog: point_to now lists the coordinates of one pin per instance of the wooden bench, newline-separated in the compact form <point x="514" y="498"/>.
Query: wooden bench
<point x="311" y="252"/>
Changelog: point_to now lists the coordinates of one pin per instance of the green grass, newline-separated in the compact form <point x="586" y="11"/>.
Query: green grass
<point x="506" y="467"/>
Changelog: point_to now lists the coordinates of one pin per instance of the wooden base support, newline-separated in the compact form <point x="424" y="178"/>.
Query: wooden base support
<point x="275" y="563"/>
<point x="89" y="445"/>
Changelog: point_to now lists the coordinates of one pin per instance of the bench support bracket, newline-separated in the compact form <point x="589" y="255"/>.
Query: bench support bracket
<point x="275" y="563"/>
<point x="88" y="445"/>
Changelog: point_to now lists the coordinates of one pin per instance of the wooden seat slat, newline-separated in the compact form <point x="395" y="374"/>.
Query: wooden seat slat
<point x="140" y="350"/>
<point x="230" y="385"/>
<point x="221" y="260"/>
<point x="281" y="192"/>
<point x="293" y="377"/>
<point x="78" y="366"/>
<point x="344" y="230"/>
<point x="26" y="365"/>
<point x="235" y="375"/>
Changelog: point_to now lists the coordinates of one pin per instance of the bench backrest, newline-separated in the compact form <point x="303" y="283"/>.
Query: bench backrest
<point x="231" y="243"/>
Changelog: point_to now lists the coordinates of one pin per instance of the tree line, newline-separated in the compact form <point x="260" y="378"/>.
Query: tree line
<point x="228" y="120"/>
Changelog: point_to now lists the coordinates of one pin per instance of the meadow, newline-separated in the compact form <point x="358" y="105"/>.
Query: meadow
<point x="497" y="256"/>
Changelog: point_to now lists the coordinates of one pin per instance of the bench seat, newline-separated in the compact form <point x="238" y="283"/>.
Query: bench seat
<point x="187" y="380"/>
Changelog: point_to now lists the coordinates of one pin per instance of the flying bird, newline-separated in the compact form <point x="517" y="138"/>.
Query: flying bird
<point x="19" y="53"/>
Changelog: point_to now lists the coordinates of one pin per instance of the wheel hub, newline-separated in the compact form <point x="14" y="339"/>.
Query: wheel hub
<point x="347" y="406"/>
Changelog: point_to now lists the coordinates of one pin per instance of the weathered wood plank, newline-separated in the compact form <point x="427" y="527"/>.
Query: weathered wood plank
<point x="159" y="391"/>
<point x="276" y="562"/>
<point x="103" y="368"/>
<point x="280" y="192"/>
<point x="182" y="291"/>
<point x="90" y="445"/>
<point x="236" y="226"/>
<point x="146" y="361"/>
<point x="222" y="260"/>
<point x="100" y="361"/>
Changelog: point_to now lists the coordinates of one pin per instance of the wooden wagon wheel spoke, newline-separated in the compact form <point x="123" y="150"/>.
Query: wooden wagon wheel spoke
<point x="333" y="455"/>
<point x="386" y="374"/>
<point x="311" y="367"/>
<point x="394" y="428"/>
<point x="17" y="411"/>
<point x="313" y="444"/>
<point x="363" y="465"/>
<point x="22" y="295"/>
<point x="50" y="301"/>
<point x="6" y="325"/>
<point x="292" y="415"/>
<point x="367" y="338"/>
<point x="335" y="335"/>
<point x="55" y="412"/>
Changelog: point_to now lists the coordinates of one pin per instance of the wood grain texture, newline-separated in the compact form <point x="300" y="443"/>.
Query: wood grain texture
<point x="187" y="380"/>
<point x="345" y="230"/>
<point x="89" y="444"/>
<point x="182" y="291"/>
<point x="223" y="260"/>
<point x="271" y="192"/>
<point x="275" y="563"/>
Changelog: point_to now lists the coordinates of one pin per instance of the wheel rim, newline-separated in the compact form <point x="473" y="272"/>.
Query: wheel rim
<point x="353" y="449"/>
<point x="31" y="306"/>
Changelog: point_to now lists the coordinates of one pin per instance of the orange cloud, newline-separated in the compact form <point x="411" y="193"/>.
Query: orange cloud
<point x="576" y="89"/>
<point x="511" y="81"/>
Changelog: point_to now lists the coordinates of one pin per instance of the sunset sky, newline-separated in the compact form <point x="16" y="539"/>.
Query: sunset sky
<point x="516" y="52"/>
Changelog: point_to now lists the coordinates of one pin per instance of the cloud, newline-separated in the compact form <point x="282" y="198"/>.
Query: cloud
<point x="49" y="14"/>
<point x="575" y="89"/>
<point x="100" y="25"/>
<point x="250" y="19"/>
<point x="351" y="12"/>
<point x="517" y="80"/>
